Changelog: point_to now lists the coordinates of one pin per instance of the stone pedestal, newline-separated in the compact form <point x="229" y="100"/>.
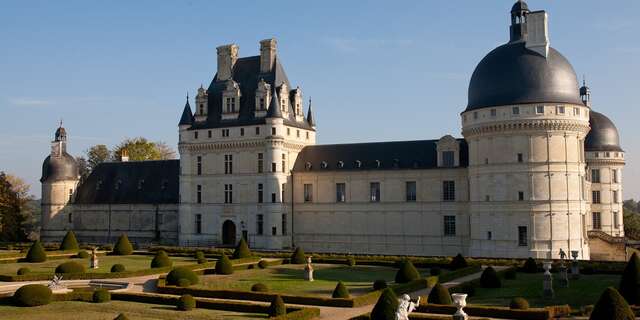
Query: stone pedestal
<point x="460" y="301"/>
<point x="564" y="278"/>
<point x="575" y="270"/>
<point x="547" y="283"/>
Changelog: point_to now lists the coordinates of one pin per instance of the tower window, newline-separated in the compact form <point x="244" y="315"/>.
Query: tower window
<point x="308" y="192"/>
<point x="201" y="108"/>
<point x="260" y="193"/>
<point x="298" y="133"/>
<point x="198" y="224"/>
<point x="374" y="191"/>
<point x="273" y="167"/>
<point x="225" y="132"/>
<point x="614" y="177"/>
<point x="520" y="196"/>
<point x="273" y="197"/>
<point x="523" y="238"/>
<point x="493" y="112"/>
<point x="615" y="196"/>
<point x="595" y="175"/>
<point x="228" y="164"/>
<point x="70" y="194"/>
<point x="520" y="157"/>
<point x="540" y="109"/>
<point x="259" y="224"/>
<point x="273" y="131"/>
<point x="260" y="162"/>
<point x="560" y="110"/>
<point x="450" y="226"/>
<point x="341" y="190"/>
<point x="410" y="190"/>
<point x="261" y="104"/>
<point x="284" y="224"/>
<point x="576" y="111"/>
<point x="489" y="235"/>
<point x="209" y="134"/>
<point x="242" y="132"/>
<point x="516" y="110"/>
<point x="282" y="193"/>
<point x="475" y="115"/>
<point x="284" y="162"/>
<point x="199" y="165"/>
<point x="257" y="131"/>
<point x="199" y="194"/>
<point x="616" y="221"/>
<point x="195" y="134"/>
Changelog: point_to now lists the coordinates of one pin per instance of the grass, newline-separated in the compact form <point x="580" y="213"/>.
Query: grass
<point x="289" y="279"/>
<point x="584" y="291"/>
<point x="72" y="310"/>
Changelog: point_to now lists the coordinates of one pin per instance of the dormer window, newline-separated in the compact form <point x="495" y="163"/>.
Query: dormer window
<point x="140" y="184"/>
<point x="358" y="164"/>
<point x="118" y="184"/>
<point x="263" y="95"/>
<point x="308" y="165"/>
<point x="324" y="165"/>
<point x="396" y="163"/>
<point x="231" y="105"/>
<point x="231" y="97"/>
<point x="378" y="163"/>
<point x="340" y="164"/>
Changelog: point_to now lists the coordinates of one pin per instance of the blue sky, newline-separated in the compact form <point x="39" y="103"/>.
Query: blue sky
<point x="376" y="70"/>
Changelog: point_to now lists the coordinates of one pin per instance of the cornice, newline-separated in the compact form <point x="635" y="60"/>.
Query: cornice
<point x="579" y="127"/>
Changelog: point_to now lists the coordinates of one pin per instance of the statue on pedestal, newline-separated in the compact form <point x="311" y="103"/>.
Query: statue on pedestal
<point x="308" y="270"/>
<point x="547" y="283"/>
<point x="405" y="307"/>
<point x="575" y="268"/>
<point x="55" y="283"/>
<point x="94" y="259"/>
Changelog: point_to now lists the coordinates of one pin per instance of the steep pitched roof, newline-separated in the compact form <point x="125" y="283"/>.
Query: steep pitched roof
<point x="310" y="119"/>
<point x="274" y="106"/>
<point x="187" y="116"/>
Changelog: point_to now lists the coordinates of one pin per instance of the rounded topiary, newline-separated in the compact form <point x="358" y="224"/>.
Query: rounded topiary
<point x="530" y="266"/>
<point x="186" y="302"/>
<point x="70" y="267"/>
<point x="458" y="262"/>
<point x="118" y="268"/>
<point x="69" y="242"/>
<point x="379" y="284"/>
<point x="298" y="256"/>
<point x="262" y="264"/>
<point x="612" y="306"/>
<point x="435" y="271"/>
<point x="22" y="271"/>
<point x="630" y="281"/>
<point x="83" y="254"/>
<point x="386" y="306"/>
<point x="183" y="283"/>
<point x="490" y="279"/>
<point x="341" y="291"/>
<point x="407" y="272"/>
<point x="32" y="295"/>
<point x="351" y="261"/>
<point x="242" y="250"/>
<point x="121" y="317"/>
<point x="199" y="255"/>
<point x="36" y="253"/>
<point x="519" y="303"/>
<point x="439" y="295"/>
<point x="223" y="265"/>
<point x="181" y="273"/>
<point x="510" y="274"/>
<point x="123" y="247"/>
<point x="202" y="261"/>
<point x="161" y="260"/>
<point x="101" y="296"/>
<point x="277" y="307"/>
<point x="259" y="287"/>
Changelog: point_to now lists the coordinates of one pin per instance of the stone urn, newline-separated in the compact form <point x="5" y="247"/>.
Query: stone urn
<point x="547" y="282"/>
<point x="460" y="301"/>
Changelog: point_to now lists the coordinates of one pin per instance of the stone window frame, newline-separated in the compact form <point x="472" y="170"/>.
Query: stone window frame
<point x="596" y="220"/>
<point x="523" y="236"/>
<point x="449" y="225"/>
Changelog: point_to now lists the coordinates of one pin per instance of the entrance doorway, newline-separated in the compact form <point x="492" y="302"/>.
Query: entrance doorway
<point x="228" y="233"/>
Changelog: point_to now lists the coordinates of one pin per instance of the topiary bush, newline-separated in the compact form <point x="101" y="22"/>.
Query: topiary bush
<point x="630" y="281"/>
<point x="186" y="302"/>
<point x="224" y="266"/>
<point x="161" y="260"/>
<point x="277" y="307"/>
<point x="70" y="267"/>
<point x="612" y="306"/>
<point x="101" y="296"/>
<point x="435" y="271"/>
<point x="22" y="271"/>
<point x="202" y="261"/>
<point x="83" y="254"/>
<point x="386" y="306"/>
<point x="351" y="261"/>
<point x="69" y="242"/>
<point x="490" y="279"/>
<point x="298" y="256"/>
<point x="341" y="291"/>
<point x="181" y="273"/>
<point x="262" y="264"/>
<point x="259" y="287"/>
<point x="121" y="317"/>
<point x="379" y="284"/>
<point x="510" y="274"/>
<point x="407" y="272"/>
<point x="200" y="257"/>
<point x="32" y="295"/>
<point x="458" y="262"/>
<point x="530" y="266"/>
<point x="242" y="250"/>
<point x="519" y="303"/>
<point x="36" y="253"/>
<point x="123" y="247"/>
<point x="183" y="283"/>
<point x="439" y="295"/>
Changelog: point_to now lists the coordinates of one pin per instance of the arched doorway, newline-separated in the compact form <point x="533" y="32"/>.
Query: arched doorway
<point x="228" y="233"/>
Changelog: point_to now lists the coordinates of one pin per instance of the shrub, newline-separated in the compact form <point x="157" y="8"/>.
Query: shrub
<point x="490" y="279"/>
<point x="118" y="268"/>
<point x="259" y="287"/>
<point x="202" y="261"/>
<point x="435" y="271"/>
<point x="530" y="266"/>
<point x="200" y="255"/>
<point x="22" y="271"/>
<point x="36" y="253"/>
<point x="630" y="281"/>
<point x="242" y="250"/>
<point x="407" y="272"/>
<point x="181" y="273"/>
<point x="340" y="291"/>
<point x="277" y="307"/>
<point x="121" y="317"/>
<point x="83" y="254"/>
<point x="32" y="295"/>
<point x="439" y="295"/>
<point x="379" y="285"/>
<point x="70" y="267"/>
<point x="519" y="303"/>
<point x="186" y="302"/>
<point x="298" y="256"/>
<point x="69" y="242"/>
<point x="262" y="264"/>
<point x="458" y="262"/>
<point x="101" y="296"/>
<point x="183" y="282"/>
<point x="351" y="261"/>
<point x="386" y="307"/>
<point x="510" y="274"/>
<point x="612" y="306"/>
<point x="161" y="260"/>
<point x="224" y="266"/>
<point x="123" y="247"/>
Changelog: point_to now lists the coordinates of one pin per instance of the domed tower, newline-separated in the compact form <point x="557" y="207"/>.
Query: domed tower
<point x="525" y="125"/>
<point x="59" y="180"/>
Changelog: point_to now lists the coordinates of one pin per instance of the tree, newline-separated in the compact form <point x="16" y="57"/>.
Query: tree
<point x="630" y="281"/>
<point x="140" y="149"/>
<point x="17" y="222"/>
<point x="166" y="152"/>
<point x="97" y="155"/>
<point x="83" y="167"/>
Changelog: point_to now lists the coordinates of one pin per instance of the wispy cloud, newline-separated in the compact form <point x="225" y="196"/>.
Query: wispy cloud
<point x="353" y="45"/>
<point x="30" y="102"/>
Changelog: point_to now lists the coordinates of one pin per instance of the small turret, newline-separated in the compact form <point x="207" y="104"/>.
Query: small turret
<point x="585" y="93"/>
<point x="187" y="117"/>
<point x="274" y="107"/>
<point x="518" y="29"/>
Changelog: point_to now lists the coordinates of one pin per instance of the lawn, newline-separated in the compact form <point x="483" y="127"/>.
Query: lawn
<point x="131" y="263"/>
<point x="107" y="311"/>
<point x="289" y="279"/>
<point x="584" y="291"/>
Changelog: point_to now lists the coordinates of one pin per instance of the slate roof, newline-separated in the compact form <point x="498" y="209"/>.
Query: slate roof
<point x="187" y="115"/>
<point x="135" y="182"/>
<point x="603" y="135"/>
<point x="59" y="168"/>
<point x="420" y="154"/>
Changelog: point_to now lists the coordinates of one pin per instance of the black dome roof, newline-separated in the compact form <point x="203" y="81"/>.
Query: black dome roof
<point x="513" y="74"/>
<point x="59" y="168"/>
<point x="603" y="135"/>
<point x="519" y="6"/>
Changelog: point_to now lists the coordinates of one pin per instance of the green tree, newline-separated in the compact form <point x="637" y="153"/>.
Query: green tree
<point x="140" y="149"/>
<point x="96" y="155"/>
<point x="83" y="167"/>
<point x="17" y="222"/>
<point x="630" y="281"/>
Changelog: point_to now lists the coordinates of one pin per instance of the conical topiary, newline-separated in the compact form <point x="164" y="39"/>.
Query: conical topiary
<point x="530" y="266"/>
<point x="386" y="307"/>
<point x="407" y="272"/>
<point x="439" y="295"/>
<point x="341" y="291"/>
<point x="277" y="307"/>
<point x="242" y="250"/>
<point x="123" y="247"/>
<point x="458" y="262"/>
<point x="298" y="256"/>
<point x="630" y="281"/>
<point x="223" y="265"/>
<point x="36" y="253"/>
<point x="612" y="306"/>
<point x="69" y="242"/>
<point x="490" y="279"/>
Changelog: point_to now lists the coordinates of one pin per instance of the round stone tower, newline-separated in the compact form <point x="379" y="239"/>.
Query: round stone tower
<point x="525" y="125"/>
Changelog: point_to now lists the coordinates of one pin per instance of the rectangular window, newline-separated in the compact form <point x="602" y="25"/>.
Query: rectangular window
<point x="259" y="224"/>
<point x="520" y="157"/>
<point x="282" y="191"/>
<point x="523" y="238"/>
<point x="614" y="176"/>
<point x="493" y="112"/>
<point x="228" y="164"/>
<point x="195" y="134"/>
<point x="273" y="167"/>
<point x="199" y="194"/>
<point x="449" y="226"/>
<point x="228" y="193"/>
<point x="71" y="193"/>
<point x="615" y="196"/>
<point x="520" y="196"/>
<point x="448" y="159"/>
<point x="273" y="197"/>
<point x="576" y="111"/>
<point x="209" y="134"/>
<point x="448" y="190"/>
<point x="560" y="109"/>
<point x="308" y="192"/>
<point x="597" y="220"/>
<point x="257" y="131"/>
<point x="199" y="165"/>
<point x="198" y="225"/>
<point x="261" y="104"/>
<point x="307" y="135"/>
<point x="260" y="193"/>
<point x="489" y="235"/>
<point x="242" y="132"/>
<point x="374" y="191"/>
<point x="225" y="132"/>
<point x="475" y="115"/>
<point x="70" y="218"/>
<point x="516" y="110"/>
<point x="260" y="162"/>
<point x="284" y="162"/>
<point x="595" y="197"/>
<point x="410" y="190"/>
<point x="595" y="175"/>
<point x="297" y="133"/>
<point x="273" y="131"/>
<point x="274" y="231"/>
<point x="540" y="109"/>
<point x="284" y="224"/>
<point x="616" y="221"/>
<point x="341" y="191"/>
<point x="288" y="131"/>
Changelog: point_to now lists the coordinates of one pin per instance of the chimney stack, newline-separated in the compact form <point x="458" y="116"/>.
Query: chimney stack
<point x="124" y="155"/>
<point x="267" y="54"/>
<point x="538" y="33"/>
<point x="227" y="56"/>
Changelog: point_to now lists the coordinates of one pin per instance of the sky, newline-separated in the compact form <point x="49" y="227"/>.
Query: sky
<point x="376" y="70"/>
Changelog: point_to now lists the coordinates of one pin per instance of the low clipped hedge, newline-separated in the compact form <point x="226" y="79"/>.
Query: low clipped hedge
<point x="70" y="267"/>
<point x="22" y="271"/>
<point x="259" y="287"/>
<point x="498" y="312"/>
<point x="32" y="295"/>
